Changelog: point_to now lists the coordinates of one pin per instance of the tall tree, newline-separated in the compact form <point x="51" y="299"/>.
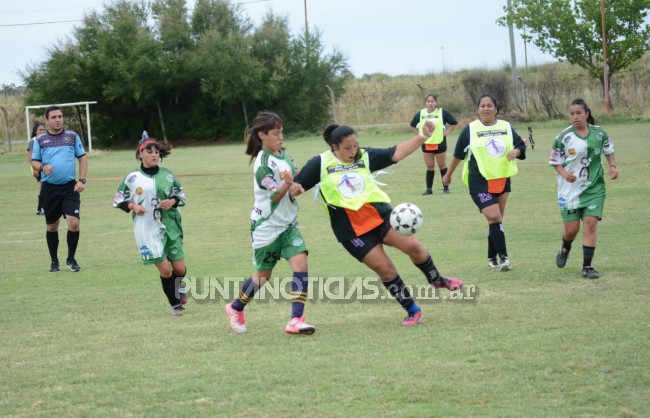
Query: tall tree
<point x="572" y="31"/>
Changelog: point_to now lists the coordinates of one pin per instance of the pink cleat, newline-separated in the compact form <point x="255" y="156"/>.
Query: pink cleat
<point x="237" y="319"/>
<point x="298" y="325"/>
<point x="450" y="283"/>
<point x="414" y="319"/>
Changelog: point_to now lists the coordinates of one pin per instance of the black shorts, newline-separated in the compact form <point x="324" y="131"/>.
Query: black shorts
<point x="60" y="200"/>
<point x="359" y="247"/>
<point x="442" y="148"/>
<point x="483" y="200"/>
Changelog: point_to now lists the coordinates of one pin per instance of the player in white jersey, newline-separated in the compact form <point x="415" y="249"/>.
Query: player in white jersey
<point x="576" y="156"/>
<point x="274" y="226"/>
<point x="154" y="194"/>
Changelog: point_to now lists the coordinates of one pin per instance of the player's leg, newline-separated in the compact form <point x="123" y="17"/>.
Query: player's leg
<point x="570" y="229"/>
<point x="430" y="163"/>
<point x="71" y="206"/>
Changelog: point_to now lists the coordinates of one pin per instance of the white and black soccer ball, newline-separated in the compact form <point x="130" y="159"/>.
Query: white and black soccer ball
<point x="406" y="218"/>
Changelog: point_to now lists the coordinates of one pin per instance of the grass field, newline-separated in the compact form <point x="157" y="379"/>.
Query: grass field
<point x="535" y="341"/>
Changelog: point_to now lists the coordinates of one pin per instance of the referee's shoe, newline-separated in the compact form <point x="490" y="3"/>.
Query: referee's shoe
<point x="72" y="265"/>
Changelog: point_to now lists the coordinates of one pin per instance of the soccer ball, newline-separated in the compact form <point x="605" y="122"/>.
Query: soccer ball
<point x="406" y="218"/>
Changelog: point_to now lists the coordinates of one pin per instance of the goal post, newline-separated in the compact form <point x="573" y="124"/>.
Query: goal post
<point x="87" y="104"/>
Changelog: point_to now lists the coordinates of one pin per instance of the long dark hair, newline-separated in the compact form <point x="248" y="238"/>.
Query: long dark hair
<point x="263" y="122"/>
<point x="35" y="128"/>
<point x="334" y="135"/>
<point x="581" y="102"/>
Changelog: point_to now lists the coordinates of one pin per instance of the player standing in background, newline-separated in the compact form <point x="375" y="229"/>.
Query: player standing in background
<point x="359" y="210"/>
<point x="434" y="148"/>
<point x="154" y="195"/>
<point x="37" y="129"/>
<point x="274" y="224"/>
<point x="53" y="156"/>
<point x="576" y="157"/>
<point x="489" y="147"/>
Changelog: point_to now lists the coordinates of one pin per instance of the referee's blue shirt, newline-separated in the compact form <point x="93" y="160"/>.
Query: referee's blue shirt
<point x="59" y="151"/>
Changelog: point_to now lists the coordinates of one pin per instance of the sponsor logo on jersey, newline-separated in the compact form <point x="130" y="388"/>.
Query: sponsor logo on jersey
<point x="138" y="191"/>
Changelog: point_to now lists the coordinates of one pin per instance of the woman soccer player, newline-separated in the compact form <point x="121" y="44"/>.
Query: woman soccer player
<point x="359" y="210"/>
<point x="576" y="156"/>
<point x="274" y="224"/>
<point x="489" y="147"/>
<point x="154" y="195"/>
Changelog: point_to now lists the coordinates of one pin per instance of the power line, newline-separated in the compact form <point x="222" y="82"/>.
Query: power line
<point x="41" y="23"/>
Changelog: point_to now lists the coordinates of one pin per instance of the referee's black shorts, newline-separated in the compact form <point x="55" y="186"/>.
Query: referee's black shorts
<point x="60" y="200"/>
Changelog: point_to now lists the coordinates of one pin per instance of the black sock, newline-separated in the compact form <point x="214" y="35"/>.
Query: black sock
<point x="73" y="240"/>
<point x="170" y="292"/>
<point x="492" y="250"/>
<point x="566" y="246"/>
<point x="499" y="239"/>
<point x="399" y="291"/>
<point x="588" y="255"/>
<point x="429" y="269"/>
<point x="52" y="239"/>
<point x="40" y="203"/>
<point x="430" y="175"/>
<point x="178" y="282"/>
<point x="442" y="174"/>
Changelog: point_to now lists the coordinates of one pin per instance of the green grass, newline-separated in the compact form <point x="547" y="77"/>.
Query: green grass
<point x="536" y="341"/>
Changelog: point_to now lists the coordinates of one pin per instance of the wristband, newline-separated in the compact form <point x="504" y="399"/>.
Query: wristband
<point x="612" y="165"/>
<point x="40" y="169"/>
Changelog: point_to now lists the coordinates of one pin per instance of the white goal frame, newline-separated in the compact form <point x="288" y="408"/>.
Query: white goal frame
<point x="29" y="129"/>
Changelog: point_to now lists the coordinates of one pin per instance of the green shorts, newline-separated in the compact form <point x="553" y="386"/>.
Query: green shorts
<point x="173" y="252"/>
<point x="594" y="209"/>
<point x="287" y="245"/>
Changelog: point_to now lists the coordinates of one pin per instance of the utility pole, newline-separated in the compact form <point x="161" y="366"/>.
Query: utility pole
<point x="443" y="58"/>
<point x="605" y="68"/>
<point x="513" y="59"/>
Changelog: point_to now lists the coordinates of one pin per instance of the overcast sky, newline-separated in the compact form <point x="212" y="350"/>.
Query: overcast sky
<point x="388" y="36"/>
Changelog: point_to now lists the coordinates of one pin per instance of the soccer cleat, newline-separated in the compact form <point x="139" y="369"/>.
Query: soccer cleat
<point x="493" y="264"/>
<point x="450" y="283"/>
<point x="182" y="295"/>
<point x="414" y="319"/>
<point x="560" y="258"/>
<point x="237" y="319"/>
<point x="178" y="310"/>
<point x="505" y="264"/>
<point x="427" y="192"/>
<point x="54" y="267"/>
<point x="298" y="325"/>
<point x="72" y="265"/>
<point x="590" y="273"/>
<point x="41" y="211"/>
<point x="445" y="191"/>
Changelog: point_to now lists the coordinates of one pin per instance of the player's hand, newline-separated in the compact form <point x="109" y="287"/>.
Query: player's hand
<point x="167" y="204"/>
<point x="569" y="176"/>
<point x="446" y="179"/>
<point x="613" y="172"/>
<point x="428" y="128"/>
<point x="513" y="154"/>
<point x="286" y="177"/>
<point x="139" y="210"/>
<point x="296" y="189"/>
<point x="79" y="187"/>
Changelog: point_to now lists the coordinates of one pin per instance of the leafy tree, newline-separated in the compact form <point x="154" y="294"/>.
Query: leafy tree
<point x="151" y="65"/>
<point x="572" y="31"/>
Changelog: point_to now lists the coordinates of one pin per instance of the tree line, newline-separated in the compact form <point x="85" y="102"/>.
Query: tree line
<point x="156" y="66"/>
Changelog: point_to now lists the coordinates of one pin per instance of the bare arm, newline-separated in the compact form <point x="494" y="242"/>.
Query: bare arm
<point x="446" y="180"/>
<point x="613" y="170"/>
<point x="407" y="147"/>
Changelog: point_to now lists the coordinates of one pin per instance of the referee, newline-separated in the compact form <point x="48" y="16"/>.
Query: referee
<point x="54" y="157"/>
